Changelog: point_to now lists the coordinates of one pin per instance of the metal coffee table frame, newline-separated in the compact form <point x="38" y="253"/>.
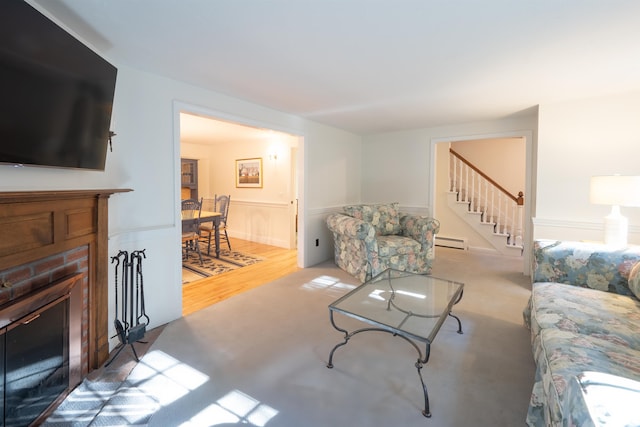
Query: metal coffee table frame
<point x="391" y="277"/>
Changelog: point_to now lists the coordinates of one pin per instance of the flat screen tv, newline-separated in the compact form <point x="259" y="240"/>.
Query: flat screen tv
<point x="56" y="94"/>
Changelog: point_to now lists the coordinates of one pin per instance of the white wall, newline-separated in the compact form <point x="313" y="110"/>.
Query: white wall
<point x="396" y="169"/>
<point x="397" y="165"/>
<point x="146" y="159"/>
<point x="337" y="162"/>
<point x="151" y="131"/>
<point x="577" y="140"/>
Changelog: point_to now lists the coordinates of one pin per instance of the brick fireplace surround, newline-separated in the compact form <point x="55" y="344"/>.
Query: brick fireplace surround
<point x="46" y="236"/>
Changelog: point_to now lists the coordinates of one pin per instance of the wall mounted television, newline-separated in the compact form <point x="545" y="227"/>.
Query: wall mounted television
<point x="56" y="94"/>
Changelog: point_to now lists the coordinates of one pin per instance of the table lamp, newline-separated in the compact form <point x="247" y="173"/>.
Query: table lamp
<point x="615" y="190"/>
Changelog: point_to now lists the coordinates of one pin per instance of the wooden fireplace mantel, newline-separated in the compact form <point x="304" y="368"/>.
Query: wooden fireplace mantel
<point x="39" y="224"/>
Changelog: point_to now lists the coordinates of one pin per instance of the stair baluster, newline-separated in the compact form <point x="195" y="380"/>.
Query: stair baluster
<point x="474" y="199"/>
<point x="466" y="186"/>
<point x="485" y="205"/>
<point x="483" y="195"/>
<point x="452" y="173"/>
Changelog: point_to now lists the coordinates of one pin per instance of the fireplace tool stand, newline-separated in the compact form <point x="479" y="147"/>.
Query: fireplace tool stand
<point x="131" y="319"/>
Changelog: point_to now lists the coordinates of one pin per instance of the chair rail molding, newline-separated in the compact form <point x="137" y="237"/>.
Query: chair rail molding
<point x="565" y="229"/>
<point x="565" y="223"/>
<point x="268" y="204"/>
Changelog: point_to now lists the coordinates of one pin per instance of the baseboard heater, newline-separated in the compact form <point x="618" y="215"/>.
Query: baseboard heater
<point x="451" y="242"/>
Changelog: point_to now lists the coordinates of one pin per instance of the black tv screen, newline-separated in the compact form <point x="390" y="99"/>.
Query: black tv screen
<point x="56" y="94"/>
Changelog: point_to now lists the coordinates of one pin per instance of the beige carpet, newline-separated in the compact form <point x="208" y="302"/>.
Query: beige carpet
<point x="260" y="358"/>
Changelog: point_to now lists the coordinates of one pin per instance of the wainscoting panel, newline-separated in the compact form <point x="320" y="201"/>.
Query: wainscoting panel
<point x="263" y="222"/>
<point x="562" y="229"/>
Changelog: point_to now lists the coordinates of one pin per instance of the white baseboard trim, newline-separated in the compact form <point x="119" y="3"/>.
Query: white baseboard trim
<point x="452" y="242"/>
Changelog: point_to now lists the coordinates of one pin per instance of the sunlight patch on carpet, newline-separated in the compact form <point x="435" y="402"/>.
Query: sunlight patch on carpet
<point x="331" y="285"/>
<point x="235" y="407"/>
<point x="156" y="382"/>
<point x="165" y="377"/>
<point x="103" y="403"/>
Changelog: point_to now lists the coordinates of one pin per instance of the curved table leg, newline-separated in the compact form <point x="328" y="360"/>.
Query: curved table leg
<point x="347" y="335"/>
<point x="427" y="411"/>
<point x="419" y="364"/>
<point x="459" y="322"/>
<point x="456" y="317"/>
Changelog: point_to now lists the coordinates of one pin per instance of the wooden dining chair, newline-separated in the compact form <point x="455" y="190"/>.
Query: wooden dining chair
<point x="220" y="204"/>
<point x="191" y="210"/>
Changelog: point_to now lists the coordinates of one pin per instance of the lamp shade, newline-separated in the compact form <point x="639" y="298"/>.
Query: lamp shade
<point x="615" y="190"/>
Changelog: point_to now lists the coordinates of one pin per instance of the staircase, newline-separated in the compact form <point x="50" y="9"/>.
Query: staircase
<point x="486" y="206"/>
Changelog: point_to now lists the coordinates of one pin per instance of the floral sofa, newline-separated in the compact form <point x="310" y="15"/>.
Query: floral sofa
<point x="368" y="239"/>
<point x="584" y="317"/>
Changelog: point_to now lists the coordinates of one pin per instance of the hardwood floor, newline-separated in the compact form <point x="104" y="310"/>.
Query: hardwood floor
<point x="205" y="292"/>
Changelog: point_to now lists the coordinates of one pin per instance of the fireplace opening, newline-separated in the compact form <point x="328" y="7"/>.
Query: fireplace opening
<point x="37" y="362"/>
<point x="40" y="351"/>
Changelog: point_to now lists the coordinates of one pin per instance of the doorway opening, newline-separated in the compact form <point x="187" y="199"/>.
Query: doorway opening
<point x="264" y="214"/>
<point x="440" y="177"/>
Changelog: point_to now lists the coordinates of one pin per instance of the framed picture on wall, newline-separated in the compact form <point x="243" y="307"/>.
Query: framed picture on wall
<point x="249" y="173"/>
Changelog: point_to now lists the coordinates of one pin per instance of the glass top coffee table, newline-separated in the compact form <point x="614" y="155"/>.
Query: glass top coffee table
<point x="411" y="306"/>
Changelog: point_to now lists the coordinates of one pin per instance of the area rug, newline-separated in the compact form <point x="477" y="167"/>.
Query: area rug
<point x="229" y="260"/>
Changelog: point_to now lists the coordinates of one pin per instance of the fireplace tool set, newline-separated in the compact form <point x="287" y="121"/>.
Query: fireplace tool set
<point x="131" y="319"/>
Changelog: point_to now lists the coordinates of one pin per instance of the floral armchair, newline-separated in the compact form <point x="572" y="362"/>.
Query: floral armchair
<point x="371" y="238"/>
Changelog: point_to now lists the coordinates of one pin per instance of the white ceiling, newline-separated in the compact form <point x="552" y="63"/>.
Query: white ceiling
<point x="372" y="66"/>
<point x="201" y="130"/>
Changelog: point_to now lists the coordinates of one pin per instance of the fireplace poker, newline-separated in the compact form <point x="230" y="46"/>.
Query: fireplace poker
<point x="127" y="322"/>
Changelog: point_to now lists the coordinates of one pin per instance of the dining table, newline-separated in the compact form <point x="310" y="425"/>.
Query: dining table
<point x="206" y="216"/>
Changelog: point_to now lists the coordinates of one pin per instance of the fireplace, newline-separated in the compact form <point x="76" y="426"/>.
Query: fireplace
<point x="53" y="273"/>
<point x="40" y="350"/>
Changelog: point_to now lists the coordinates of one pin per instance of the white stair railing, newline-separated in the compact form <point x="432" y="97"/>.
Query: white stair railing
<point x="487" y="197"/>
